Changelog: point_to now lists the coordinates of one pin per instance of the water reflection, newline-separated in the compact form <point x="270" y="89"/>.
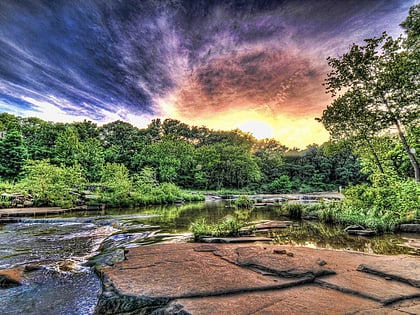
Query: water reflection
<point x="318" y="235"/>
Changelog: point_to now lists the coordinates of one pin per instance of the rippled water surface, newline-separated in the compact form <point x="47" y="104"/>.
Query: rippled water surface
<point x="50" y="251"/>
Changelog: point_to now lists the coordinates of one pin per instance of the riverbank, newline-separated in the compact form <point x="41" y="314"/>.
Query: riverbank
<point x="258" y="279"/>
<point x="11" y="215"/>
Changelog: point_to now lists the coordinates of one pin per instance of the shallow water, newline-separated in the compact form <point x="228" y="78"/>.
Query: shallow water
<point x="56" y="247"/>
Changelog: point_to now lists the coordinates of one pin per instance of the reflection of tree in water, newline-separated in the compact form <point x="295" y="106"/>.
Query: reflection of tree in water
<point x="317" y="234"/>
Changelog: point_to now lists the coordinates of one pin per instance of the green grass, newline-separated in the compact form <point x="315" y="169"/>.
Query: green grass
<point x="228" y="227"/>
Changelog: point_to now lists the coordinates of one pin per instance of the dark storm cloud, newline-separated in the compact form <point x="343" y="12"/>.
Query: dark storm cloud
<point x="123" y="57"/>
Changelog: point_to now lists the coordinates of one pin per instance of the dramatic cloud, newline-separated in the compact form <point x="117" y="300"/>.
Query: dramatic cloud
<point x="203" y="62"/>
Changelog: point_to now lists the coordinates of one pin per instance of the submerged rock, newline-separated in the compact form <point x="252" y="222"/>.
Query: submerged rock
<point x="359" y="230"/>
<point x="410" y="228"/>
<point x="8" y="279"/>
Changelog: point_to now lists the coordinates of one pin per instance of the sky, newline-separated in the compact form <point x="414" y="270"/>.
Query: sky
<point x="256" y="65"/>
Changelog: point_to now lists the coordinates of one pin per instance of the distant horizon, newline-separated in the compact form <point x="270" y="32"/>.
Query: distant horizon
<point x="249" y="65"/>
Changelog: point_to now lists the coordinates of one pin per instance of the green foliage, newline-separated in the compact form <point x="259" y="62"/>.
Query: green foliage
<point x="67" y="147"/>
<point x="229" y="226"/>
<point x="52" y="185"/>
<point x="92" y="159"/>
<point x="384" y="204"/>
<point x="13" y="155"/>
<point x="380" y="79"/>
<point x="244" y="202"/>
<point x="115" y="178"/>
<point x="294" y="210"/>
<point x="280" y="185"/>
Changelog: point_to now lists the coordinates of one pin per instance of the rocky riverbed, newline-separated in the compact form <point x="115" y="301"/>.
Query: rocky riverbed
<point x="258" y="279"/>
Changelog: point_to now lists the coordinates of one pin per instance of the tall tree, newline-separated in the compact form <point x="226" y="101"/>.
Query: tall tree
<point x="13" y="155"/>
<point x="381" y="71"/>
<point x="67" y="147"/>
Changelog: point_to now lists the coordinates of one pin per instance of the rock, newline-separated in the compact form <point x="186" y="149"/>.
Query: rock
<point x="289" y="265"/>
<point x="359" y="230"/>
<point x="10" y="278"/>
<point x="235" y="239"/>
<point x="154" y="275"/>
<point x="241" y="279"/>
<point x="32" y="267"/>
<point x="404" y="270"/>
<point x="321" y="262"/>
<point x="107" y="258"/>
<point x="309" y="299"/>
<point x="372" y="287"/>
<point x="273" y="225"/>
<point x="410" y="228"/>
<point x="279" y="251"/>
<point x="355" y="227"/>
<point x="362" y="232"/>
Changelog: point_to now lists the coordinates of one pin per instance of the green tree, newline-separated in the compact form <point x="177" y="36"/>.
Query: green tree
<point x="13" y="155"/>
<point x="67" y="147"/>
<point x="52" y="185"/>
<point x="86" y="130"/>
<point x="269" y="153"/>
<point x="91" y="157"/>
<point x="40" y="137"/>
<point x="381" y="74"/>
<point x="118" y="184"/>
<point x="121" y="141"/>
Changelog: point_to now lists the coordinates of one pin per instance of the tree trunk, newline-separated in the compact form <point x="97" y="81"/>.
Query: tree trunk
<point x="375" y="156"/>
<point x="410" y="154"/>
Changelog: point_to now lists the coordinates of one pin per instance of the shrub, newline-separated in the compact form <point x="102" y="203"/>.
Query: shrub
<point x="229" y="226"/>
<point x="293" y="210"/>
<point x="244" y="202"/>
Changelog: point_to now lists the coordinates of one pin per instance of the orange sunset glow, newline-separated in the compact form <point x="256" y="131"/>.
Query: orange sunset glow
<point x="254" y="65"/>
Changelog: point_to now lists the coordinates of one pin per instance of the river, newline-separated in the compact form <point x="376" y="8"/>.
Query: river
<point x="52" y="250"/>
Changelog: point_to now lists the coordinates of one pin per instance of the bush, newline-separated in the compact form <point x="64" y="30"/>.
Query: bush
<point x="229" y="226"/>
<point x="280" y="185"/>
<point x="244" y="202"/>
<point x="293" y="210"/>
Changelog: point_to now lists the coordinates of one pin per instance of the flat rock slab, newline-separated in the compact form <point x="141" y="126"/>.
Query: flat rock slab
<point x="256" y="279"/>
<point x="406" y="270"/>
<point x="161" y="272"/>
<point x="294" y="301"/>
<point x="31" y="211"/>
<point x="273" y="225"/>
<point x="370" y="286"/>
<point x="230" y="240"/>
<point x="275" y="260"/>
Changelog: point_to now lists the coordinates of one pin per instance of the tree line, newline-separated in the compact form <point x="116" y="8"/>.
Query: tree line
<point x="173" y="152"/>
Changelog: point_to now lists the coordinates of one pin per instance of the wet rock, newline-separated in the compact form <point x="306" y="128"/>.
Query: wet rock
<point x="8" y="279"/>
<point x="119" y="240"/>
<point x="107" y="258"/>
<point x="354" y="227"/>
<point x="32" y="267"/>
<point x="273" y="225"/>
<point x="410" y="228"/>
<point x="359" y="230"/>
